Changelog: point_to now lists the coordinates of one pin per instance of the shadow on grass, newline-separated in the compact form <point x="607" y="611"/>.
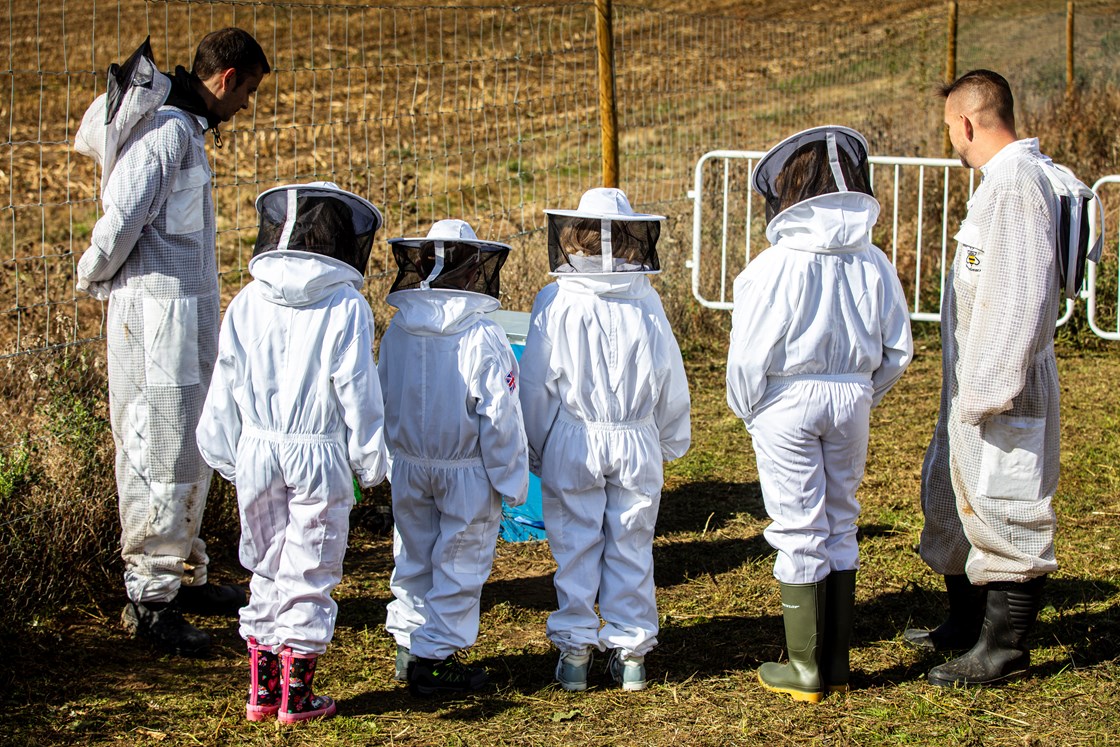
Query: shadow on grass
<point x="696" y="506"/>
<point x="720" y="645"/>
<point x="1083" y="636"/>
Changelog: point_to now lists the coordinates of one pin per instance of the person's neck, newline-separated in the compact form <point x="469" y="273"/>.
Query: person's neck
<point x="993" y="144"/>
<point x="205" y="93"/>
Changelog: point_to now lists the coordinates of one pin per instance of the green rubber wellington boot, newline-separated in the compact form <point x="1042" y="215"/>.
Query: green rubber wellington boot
<point x="839" y="614"/>
<point x="803" y="613"/>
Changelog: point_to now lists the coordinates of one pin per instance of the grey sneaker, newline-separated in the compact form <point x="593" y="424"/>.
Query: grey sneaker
<point x="627" y="670"/>
<point x="571" y="670"/>
<point x="404" y="657"/>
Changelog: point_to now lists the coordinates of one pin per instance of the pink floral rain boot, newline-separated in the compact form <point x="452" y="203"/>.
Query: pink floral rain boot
<point x="264" y="682"/>
<point x="298" y="702"/>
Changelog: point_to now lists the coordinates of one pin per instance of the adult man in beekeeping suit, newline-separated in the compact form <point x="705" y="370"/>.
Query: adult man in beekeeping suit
<point x="992" y="467"/>
<point x="152" y="255"/>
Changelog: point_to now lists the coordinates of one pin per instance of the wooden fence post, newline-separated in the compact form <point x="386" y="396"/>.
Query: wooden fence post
<point x="1069" y="49"/>
<point x="950" y="66"/>
<point x="608" y="117"/>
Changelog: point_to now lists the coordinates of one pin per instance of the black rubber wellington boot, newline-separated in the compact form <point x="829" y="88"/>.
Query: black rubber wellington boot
<point x="1002" y="652"/>
<point x="162" y="624"/>
<point x="961" y="629"/>
<point x="211" y="599"/>
<point x="839" y="617"/>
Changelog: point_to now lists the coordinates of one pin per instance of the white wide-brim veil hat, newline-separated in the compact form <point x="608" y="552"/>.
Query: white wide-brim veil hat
<point x="449" y="257"/>
<point x="840" y="150"/>
<point x="318" y="218"/>
<point x="607" y="211"/>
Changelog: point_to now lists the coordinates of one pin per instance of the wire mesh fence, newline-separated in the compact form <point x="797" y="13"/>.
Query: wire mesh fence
<point x="484" y="112"/>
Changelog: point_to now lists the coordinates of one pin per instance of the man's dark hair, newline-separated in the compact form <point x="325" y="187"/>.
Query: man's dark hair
<point x="229" y="48"/>
<point x="990" y="91"/>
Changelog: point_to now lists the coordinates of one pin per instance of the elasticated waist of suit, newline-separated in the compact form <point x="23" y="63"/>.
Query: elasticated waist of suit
<point x="839" y="378"/>
<point x="607" y="425"/>
<point x="293" y="438"/>
<point x="475" y="461"/>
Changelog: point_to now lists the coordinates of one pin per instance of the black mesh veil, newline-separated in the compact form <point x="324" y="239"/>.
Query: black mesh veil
<point x="318" y="221"/>
<point x="466" y="266"/>
<point x="594" y="245"/>
<point x="820" y="161"/>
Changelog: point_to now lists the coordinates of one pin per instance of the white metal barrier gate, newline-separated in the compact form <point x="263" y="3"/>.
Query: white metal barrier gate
<point x="1091" y="274"/>
<point x="911" y="212"/>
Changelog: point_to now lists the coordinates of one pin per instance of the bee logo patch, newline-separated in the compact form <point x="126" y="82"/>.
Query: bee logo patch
<point x="972" y="260"/>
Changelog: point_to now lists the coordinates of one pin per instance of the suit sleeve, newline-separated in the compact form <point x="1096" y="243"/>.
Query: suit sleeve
<point x="1016" y="290"/>
<point x="673" y="410"/>
<point x="358" y="388"/>
<point x="219" y="426"/>
<point x="137" y="189"/>
<point x="501" y="431"/>
<point x="540" y="395"/>
<point x="898" y="342"/>
<point x="758" y="324"/>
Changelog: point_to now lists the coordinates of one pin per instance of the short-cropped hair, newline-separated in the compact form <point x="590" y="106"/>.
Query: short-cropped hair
<point x="989" y="90"/>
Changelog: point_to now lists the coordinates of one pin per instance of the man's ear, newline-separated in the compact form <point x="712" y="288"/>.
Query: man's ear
<point x="969" y="133"/>
<point x="229" y="79"/>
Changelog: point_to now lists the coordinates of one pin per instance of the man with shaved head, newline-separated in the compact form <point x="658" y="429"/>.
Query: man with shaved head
<point x="992" y="467"/>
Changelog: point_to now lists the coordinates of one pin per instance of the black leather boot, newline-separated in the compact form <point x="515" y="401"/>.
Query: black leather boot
<point x="961" y="629"/>
<point x="1002" y="651"/>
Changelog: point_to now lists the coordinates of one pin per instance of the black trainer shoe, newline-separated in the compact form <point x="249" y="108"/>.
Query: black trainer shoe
<point x="433" y="677"/>
<point x="162" y="624"/>
<point x="211" y="599"/>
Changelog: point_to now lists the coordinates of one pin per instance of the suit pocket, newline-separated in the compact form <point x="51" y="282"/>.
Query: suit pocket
<point x="185" y="205"/>
<point x="1011" y="458"/>
<point x="171" y="341"/>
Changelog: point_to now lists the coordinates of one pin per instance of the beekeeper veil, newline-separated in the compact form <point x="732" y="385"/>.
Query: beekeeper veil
<point x="603" y="235"/>
<point x="450" y="257"/>
<point x="317" y="218"/>
<point x="815" y="162"/>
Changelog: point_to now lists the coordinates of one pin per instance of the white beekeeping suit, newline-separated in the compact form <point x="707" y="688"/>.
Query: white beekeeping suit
<point x="295" y="408"/>
<point x="987" y="500"/>
<point x="820" y="333"/>
<point x="455" y="434"/>
<point x="606" y="402"/>
<point x="152" y="255"/>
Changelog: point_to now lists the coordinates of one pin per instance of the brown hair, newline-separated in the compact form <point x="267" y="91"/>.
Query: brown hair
<point x="990" y="94"/>
<point x="806" y="174"/>
<point x="582" y="236"/>
<point x="229" y="48"/>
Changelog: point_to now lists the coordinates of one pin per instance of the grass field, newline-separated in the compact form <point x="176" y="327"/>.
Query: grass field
<point x="78" y="680"/>
<point x="489" y="112"/>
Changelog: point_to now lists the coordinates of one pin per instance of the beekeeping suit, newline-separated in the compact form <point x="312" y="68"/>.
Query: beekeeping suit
<point x="152" y="255"/>
<point x="455" y="433"/>
<point x="820" y="333"/>
<point x="992" y="467"/>
<point x="606" y="402"/>
<point x="295" y="407"/>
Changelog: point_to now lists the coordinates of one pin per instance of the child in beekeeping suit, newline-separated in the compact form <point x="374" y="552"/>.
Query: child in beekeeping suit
<point x="606" y="403"/>
<point x="293" y="412"/>
<point x="820" y="333"/>
<point x="454" y="430"/>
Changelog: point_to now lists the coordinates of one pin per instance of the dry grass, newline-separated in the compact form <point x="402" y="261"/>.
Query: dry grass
<point x="494" y="136"/>
<point x="77" y="680"/>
